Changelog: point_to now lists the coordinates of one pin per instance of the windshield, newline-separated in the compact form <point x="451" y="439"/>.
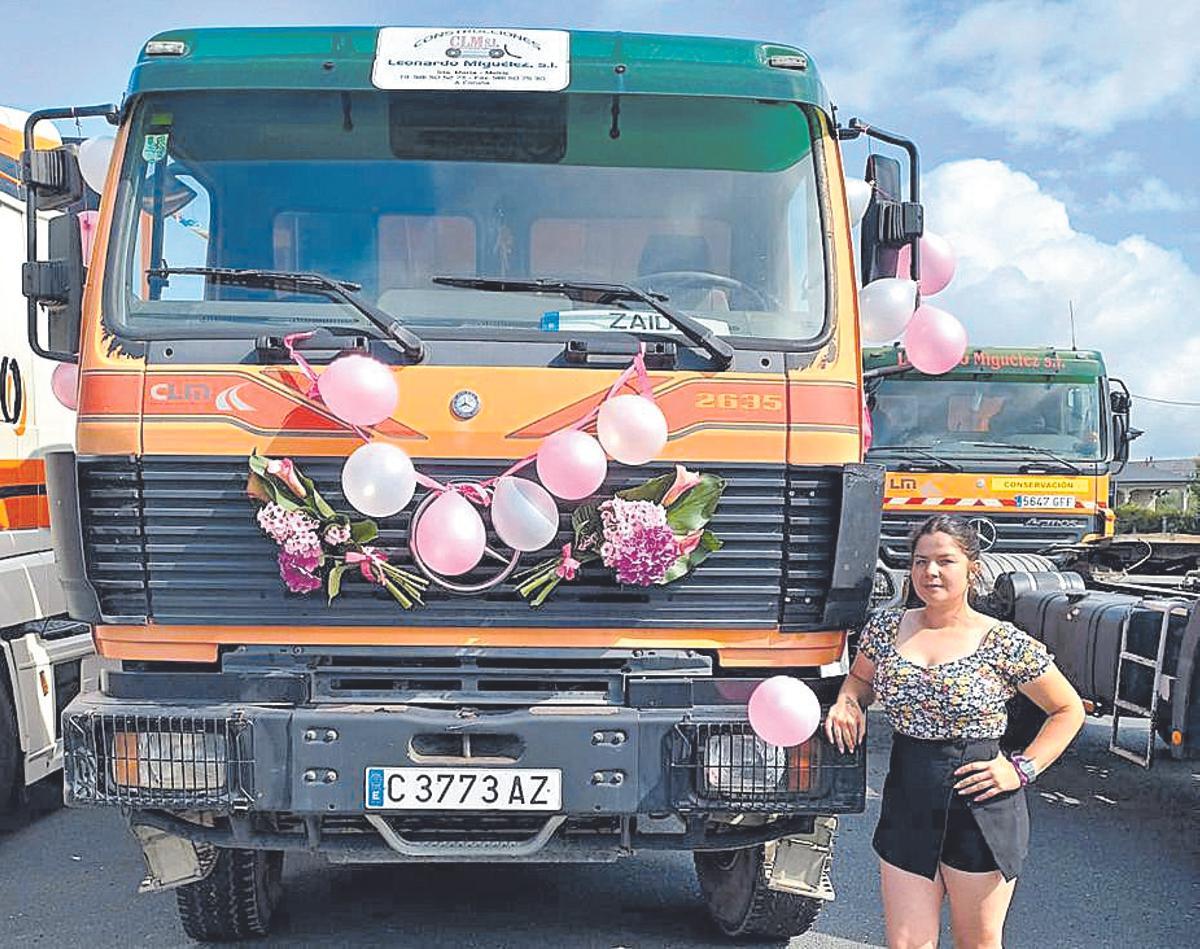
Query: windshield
<point x="963" y="418"/>
<point x="710" y="202"/>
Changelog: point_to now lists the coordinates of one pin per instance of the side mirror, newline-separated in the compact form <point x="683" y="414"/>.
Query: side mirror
<point x="56" y="285"/>
<point x="888" y="223"/>
<point x="1120" y="402"/>
<point x="53" y="181"/>
<point x="52" y="175"/>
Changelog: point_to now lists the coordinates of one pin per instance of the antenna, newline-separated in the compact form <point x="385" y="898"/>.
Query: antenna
<point x="1071" y="308"/>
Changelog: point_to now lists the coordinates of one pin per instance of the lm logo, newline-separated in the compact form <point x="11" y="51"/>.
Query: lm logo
<point x="902" y="484"/>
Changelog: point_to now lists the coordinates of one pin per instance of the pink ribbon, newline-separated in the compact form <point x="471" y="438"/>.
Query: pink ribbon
<point x="477" y="493"/>
<point x="567" y="567"/>
<point x="289" y="343"/>
<point x="366" y="559"/>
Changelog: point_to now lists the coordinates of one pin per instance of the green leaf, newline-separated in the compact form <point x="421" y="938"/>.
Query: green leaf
<point x="257" y="463"/>
<point x="259" y="488"/>
<point x="653" y="490"/>
<point x="709" y="543"/>
<point x="317" y="505"/>
<point x="334" y="581"/>
<point x="363" y="532"/>
<point x="695" y="509"/>
<point x="586" y="518"/>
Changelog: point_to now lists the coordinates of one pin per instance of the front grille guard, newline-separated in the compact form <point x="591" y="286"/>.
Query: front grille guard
<point x="181" y="762"/>
<point x="804" y="779"/>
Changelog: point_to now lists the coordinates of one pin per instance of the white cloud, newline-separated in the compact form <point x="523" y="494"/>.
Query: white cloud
<point x="1032" y="68"/>
<point x="1150" y="194"/>
<point x="1021" y="264"/>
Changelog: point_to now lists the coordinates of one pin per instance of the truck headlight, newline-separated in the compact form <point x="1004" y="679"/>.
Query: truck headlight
<point x="743" y="764"/>
<point x="172" y="761"/>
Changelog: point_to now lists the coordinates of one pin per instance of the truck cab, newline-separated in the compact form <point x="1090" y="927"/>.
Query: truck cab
<point x="508" y="236"/>
<point x="1020" y="442"/>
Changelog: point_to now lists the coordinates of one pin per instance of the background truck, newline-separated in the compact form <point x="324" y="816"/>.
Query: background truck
<point x="43" y="655"/>
<point x="1020" y="442"/>
<point x="590" y="193"/>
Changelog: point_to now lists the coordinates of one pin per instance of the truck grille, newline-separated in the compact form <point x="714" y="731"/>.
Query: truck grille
<point x="1023" y="533"/>
<point x="174" y="539"/>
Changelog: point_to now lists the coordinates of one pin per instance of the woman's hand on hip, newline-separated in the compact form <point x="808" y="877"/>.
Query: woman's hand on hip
<point x="846" y="724"/>
<point x="985" y="779"/>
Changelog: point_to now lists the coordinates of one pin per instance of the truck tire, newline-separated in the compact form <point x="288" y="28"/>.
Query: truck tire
<point x="10" y="747"/>
<point x="237" y="900"/>
<point x="734" y="886"/>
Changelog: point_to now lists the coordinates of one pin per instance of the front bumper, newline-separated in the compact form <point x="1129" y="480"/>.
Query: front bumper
<point x="284" y="777"/>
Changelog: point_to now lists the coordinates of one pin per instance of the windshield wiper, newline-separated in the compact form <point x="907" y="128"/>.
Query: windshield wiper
<point x="939" y="463"/>
<point x="1044" y="452"/>
<point x="604" y="293"/>
<point x="345" y="291"/>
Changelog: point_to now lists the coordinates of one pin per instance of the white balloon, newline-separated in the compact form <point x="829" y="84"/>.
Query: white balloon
<point x="632" y="428"/>
<point x="524" y="514"/>
<point x="94" y="156"/>
<point x="378" y="479"/>
<point x="858" y="196"/>
<point x="885" y="307"/>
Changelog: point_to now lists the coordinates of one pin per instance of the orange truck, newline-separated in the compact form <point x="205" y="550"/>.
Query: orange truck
<point x="1020" y="442"/>
<point x="506" y="232"/>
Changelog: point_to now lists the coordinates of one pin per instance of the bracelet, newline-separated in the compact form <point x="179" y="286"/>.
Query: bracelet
<point x="1025" y="768"/>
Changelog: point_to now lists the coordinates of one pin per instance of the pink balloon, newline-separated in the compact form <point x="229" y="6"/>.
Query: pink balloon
<point x="784" y="711"/>
<point x="358" y="389"/>
<point x="937" y="263"/>
<point x="64" y="383"/>
<point x="935" y="341"/>
<point x="89" y="223"/>
<point x="571" y="464"/>
<point x="632" y="428"/>
<point x="450" y="535"/>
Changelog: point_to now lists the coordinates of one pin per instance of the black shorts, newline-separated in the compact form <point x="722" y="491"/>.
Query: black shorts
<point x="923" y="821"/>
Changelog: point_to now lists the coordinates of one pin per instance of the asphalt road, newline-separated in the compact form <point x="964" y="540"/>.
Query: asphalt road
<point x="1115" y="862"/>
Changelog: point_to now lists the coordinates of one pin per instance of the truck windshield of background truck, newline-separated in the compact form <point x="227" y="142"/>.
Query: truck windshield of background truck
<point x="710" y="201"/>
<point x="1057" y="415"/>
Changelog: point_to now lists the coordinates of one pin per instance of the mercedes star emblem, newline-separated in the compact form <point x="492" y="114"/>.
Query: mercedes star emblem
<point x="465" y="404"/>
<point x="986" y="531"/>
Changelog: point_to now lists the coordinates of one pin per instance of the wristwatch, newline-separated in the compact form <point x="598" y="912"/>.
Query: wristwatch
<point x="1026" y="769"/>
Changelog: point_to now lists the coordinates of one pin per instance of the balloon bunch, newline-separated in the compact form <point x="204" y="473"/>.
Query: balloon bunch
<point x="379" y="479"/>
<point x="892" y="307"/>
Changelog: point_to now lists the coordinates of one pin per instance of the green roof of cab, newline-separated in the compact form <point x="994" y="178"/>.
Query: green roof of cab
<point x="340" y="58"/>
<point x="1001" y="361"/>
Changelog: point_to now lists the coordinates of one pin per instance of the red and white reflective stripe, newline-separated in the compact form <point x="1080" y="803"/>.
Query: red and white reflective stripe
<point x="1080" y="504"/>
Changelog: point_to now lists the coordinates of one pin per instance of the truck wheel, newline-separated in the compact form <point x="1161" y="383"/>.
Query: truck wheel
<point x="10" y="749"/>
<point x="237" y="900"/>
<point x="734" y="886"/>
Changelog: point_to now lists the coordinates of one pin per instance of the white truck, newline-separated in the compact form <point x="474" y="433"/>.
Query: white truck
<point x="45" y="658"/>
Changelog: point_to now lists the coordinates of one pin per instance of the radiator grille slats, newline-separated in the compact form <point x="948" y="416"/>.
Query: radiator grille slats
<point x="174" y="538"/>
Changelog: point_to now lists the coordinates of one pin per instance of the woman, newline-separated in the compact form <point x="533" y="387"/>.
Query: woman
<point x="954" y="818"/>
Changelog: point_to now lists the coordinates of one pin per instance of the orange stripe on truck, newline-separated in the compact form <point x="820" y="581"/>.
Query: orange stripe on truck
<point x="734" y="647"/>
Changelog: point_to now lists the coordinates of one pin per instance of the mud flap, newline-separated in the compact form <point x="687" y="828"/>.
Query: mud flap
<point x="172" y="861"/>
<point x="801" y="864"/>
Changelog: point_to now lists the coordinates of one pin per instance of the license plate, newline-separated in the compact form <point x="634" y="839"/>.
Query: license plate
<point x="1058" y="501"/>
<point x="464" y="789"/>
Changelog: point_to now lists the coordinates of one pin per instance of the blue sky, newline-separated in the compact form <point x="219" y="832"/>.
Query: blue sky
<point x="1059" y="140"/>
